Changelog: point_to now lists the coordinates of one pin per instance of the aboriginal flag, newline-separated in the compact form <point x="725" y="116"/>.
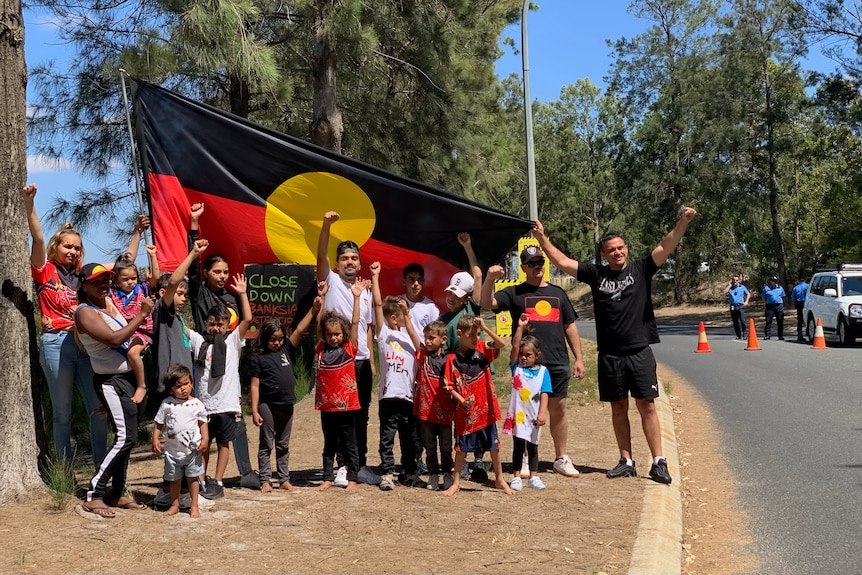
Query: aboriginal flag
<point x="265" y="194"/>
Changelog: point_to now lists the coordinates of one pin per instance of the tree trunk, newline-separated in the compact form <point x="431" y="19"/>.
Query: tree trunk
<point x="238" y="93"/>
<point x="18" y="453"/>
<point x="327" y="127"/>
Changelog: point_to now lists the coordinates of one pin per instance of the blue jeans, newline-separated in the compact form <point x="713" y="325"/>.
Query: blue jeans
<point x="66" y="367"/>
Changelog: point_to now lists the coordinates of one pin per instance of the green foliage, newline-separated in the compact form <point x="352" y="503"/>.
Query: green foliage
<point x="60" y="481"/>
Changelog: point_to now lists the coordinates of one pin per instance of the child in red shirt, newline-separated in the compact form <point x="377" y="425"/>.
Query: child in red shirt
<point x="467" y="376"/>
<point x="336" y="395"/>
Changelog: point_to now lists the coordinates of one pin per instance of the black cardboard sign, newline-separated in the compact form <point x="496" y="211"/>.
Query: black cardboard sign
<point x="282" y="291"/>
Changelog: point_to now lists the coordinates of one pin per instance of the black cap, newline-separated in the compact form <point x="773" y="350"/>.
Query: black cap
<point x="347" y="246"/>
<point x="529" y="253"/>
<point x="92" y="271"/>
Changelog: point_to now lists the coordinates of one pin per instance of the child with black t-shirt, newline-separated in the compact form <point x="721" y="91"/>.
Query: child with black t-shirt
<point x="273" y="395"/>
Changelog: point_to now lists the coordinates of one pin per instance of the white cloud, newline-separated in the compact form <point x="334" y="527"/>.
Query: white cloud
<point x="41" y="164"/>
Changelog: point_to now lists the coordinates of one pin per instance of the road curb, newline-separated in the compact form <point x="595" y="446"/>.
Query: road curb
<point x="658" y="547"/>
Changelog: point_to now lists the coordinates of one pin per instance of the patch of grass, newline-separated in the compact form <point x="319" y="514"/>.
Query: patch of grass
<point x="302" y="371"/>
<point x="59" y="478"/>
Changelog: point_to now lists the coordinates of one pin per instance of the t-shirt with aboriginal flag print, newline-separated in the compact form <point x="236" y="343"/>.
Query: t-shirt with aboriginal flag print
<point x="57" y="292"/>
<point x="470" y="375"/>
<point x="431" y="400"/>
<point x="336" y="388"/>
<point x="549" y="311"/>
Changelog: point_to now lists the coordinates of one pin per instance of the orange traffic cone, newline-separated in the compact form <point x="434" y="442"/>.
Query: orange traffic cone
<point x="752" y="337"/>
<point x="819" y="339"/>
<point x="702" y="344"/>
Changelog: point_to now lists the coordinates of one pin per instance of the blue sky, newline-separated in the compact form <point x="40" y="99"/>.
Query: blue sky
<point x="566" y="42"/>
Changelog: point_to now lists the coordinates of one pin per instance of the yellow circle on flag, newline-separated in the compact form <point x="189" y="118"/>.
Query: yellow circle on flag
<point x="294" y="215"/>
<point x="543" y="308"/>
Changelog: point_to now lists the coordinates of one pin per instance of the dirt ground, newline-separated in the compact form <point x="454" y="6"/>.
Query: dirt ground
<point x="584" y="525"/>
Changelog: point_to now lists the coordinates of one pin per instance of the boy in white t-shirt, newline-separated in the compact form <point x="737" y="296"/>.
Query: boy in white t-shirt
<point x="423" y="310"/>
<point x="216" y="359"/>
<point x="397" y="354"/>
<point x="183" y="419"/>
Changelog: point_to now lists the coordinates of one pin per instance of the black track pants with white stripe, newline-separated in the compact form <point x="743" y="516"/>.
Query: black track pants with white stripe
<point x="115" y="391"/>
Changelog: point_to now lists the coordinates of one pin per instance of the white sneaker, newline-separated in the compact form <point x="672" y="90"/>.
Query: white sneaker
<point x="535" y="483"/>
<point x="525" y="465"/>
<point x="563" y="466"/>
<point x="387" y="482"/>
<point x="340" y="477"/>
<point x="516" y="484"/>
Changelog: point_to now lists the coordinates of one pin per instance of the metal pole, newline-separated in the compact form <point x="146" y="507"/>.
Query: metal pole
<point x="135" y="165"/>
<point x="528" y="118"/>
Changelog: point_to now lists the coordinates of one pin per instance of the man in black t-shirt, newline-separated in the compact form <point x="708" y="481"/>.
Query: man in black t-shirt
<point x="625" y="328"/>
<point x="552" y="321"/>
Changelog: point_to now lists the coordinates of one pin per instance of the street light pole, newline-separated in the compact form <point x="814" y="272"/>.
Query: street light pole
<point x="528" y="118"/>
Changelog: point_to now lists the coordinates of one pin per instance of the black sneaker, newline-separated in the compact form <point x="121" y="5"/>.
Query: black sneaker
<point x="212" y="490"/>
<point x="623" y="470"/>
<point x="658" y="472"/>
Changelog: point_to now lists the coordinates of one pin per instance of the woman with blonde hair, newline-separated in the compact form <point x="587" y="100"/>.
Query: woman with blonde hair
<point x="54" y="268"/>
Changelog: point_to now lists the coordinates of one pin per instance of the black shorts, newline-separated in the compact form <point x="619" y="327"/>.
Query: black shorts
<point x="560" y="376"/>
<point x="222" y="427"/>
<point x="480" y="441"/>
<point x="629" y="372"/>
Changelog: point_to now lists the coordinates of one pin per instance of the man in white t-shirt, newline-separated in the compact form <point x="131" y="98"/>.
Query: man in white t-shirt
<point x="340" y="298"/>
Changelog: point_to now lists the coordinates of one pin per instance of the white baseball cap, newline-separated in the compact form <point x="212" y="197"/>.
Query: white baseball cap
<point x="461" y="284"/>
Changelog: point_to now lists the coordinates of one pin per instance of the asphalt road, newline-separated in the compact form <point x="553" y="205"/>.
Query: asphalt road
<point x="791" y="421"/>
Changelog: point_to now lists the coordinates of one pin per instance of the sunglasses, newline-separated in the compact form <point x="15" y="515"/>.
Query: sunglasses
<point x="535" y="263"/>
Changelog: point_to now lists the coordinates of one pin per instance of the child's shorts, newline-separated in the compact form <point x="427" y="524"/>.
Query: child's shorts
<point x="479" y="441"/>
<point x="222" y="427"/>
<point x="191" y="466"/>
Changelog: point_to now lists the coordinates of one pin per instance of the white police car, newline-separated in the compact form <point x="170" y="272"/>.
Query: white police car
<point x="836" y="298"/>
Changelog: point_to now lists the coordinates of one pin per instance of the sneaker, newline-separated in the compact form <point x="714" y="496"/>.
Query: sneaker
<point x="623" y="470"/>
<point x="433" y="482"/>
<point x="465" y="472"/>
<point x="421" y="468"/>
<point x="659" y="473"/>
<point x="213" y="490"/>
<point x="525" y="466"/>
<point x="479" y="473"/>
<point x="387" y="482"/>
<point x="448" y="480"/>
<point x="535" y="483"/>
<point x="516" y="484"/>
<point x="563" y="466"/>
<point x="340" y="477"/>
<point x="780" y="338"/>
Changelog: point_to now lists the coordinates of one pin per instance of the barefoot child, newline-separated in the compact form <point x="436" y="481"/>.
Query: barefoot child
<point x="217" y="384"/>
<point x="528" y="407"/>
<point x="467" y="377"/>
<point x="433" y="406"/>
<point x="336" y="392"/>
<point x="184" y="421"/>
<point x="127" y="293"/>
<point x="273" y="395"/>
